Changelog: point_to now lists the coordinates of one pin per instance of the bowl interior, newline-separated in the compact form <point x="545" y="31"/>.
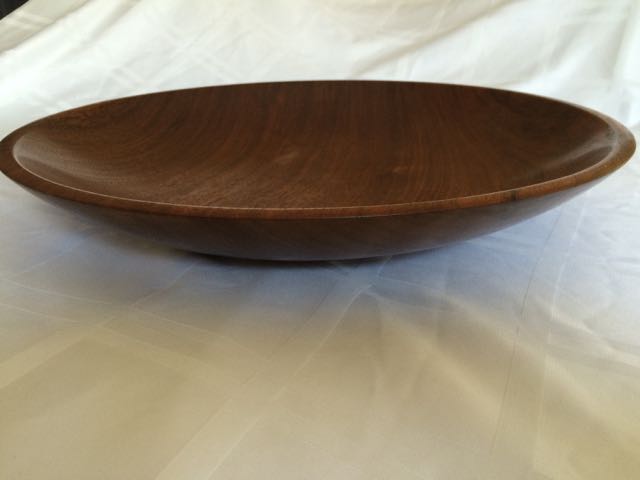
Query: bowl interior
<point x="313" y="144"/>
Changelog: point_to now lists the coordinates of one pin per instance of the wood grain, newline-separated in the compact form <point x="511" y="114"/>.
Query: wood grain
<point x="316" y="170"/>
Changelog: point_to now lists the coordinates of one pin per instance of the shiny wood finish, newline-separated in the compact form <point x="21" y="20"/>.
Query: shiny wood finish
<point x="316" y="170"/>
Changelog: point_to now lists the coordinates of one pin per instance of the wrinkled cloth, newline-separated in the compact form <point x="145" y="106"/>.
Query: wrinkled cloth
<point x="512" y="356"/>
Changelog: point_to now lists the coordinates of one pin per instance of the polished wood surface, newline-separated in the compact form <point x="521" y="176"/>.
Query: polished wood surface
<point x="316" y="170"/>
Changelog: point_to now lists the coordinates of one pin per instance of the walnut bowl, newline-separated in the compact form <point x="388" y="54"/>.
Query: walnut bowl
<point x="316" y="170"/>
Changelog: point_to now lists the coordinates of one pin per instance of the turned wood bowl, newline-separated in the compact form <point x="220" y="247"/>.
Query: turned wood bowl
<point x="316" y="170"/>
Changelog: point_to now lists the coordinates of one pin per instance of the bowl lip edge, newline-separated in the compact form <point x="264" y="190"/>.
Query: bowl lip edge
<point x="623" y="147"/>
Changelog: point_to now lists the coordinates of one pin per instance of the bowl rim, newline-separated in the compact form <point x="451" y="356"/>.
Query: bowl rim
<point x="619" y="138"/>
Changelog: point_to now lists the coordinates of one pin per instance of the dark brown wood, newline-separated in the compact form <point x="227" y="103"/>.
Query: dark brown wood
<point x="316" y="170"/>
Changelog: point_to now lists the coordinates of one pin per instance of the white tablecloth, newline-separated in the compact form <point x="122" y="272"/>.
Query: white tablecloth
<point x="512" y="356"/>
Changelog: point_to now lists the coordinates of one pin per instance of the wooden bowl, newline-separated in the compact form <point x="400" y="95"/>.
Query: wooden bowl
<point x="316" y="169"/>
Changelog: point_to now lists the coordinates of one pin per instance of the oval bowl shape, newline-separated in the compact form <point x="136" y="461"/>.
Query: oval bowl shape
<point x="316" y="170"/>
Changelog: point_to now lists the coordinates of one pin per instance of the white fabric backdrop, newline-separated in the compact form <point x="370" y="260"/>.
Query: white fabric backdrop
<point x="513" y="356"/>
